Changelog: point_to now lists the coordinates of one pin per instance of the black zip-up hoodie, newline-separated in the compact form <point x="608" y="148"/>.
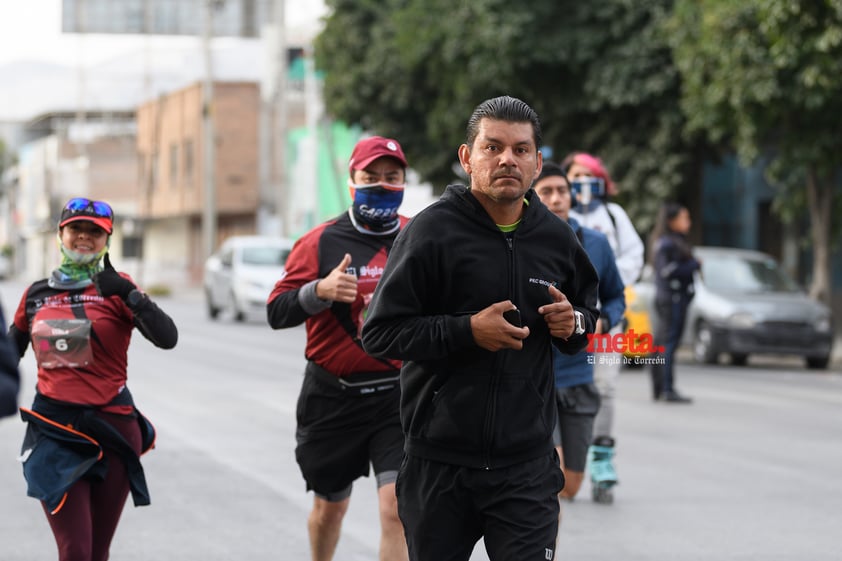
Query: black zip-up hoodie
<point x="462" y="404"/>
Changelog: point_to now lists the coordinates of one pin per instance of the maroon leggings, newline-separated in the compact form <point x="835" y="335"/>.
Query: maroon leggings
<point x="85" y="525"/>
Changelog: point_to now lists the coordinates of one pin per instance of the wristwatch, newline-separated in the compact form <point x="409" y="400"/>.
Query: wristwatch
<point x="580" y="322"/>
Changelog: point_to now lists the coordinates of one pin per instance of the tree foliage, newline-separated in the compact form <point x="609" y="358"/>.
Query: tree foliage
<point x="765" y="77"/>
<point x="600" y="76"/>
<point x="3" y="156"/>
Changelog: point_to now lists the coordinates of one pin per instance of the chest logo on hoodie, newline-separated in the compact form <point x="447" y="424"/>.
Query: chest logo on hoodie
<point x="543" y="282"/>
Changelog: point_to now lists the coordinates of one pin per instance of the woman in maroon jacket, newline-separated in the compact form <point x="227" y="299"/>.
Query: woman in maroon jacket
<point x="84" y="434"/>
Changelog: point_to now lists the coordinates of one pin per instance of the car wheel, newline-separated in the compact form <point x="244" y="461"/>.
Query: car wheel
<point x="239" y="315"/>
<point x="739" y="359"/>
<point x="818" y="362"/>
<point x="213" y="311"/>
<point x="704" y="350"/>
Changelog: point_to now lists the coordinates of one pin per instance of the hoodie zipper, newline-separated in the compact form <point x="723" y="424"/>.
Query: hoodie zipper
<point x="499" y="360"/>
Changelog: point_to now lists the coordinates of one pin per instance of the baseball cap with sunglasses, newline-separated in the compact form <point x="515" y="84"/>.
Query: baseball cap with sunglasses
<point x="80" y="208"/>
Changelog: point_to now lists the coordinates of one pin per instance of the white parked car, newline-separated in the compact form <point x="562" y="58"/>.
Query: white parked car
<point x="240" y="276"/>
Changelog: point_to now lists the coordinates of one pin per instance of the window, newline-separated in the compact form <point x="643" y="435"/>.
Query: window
<point x="188" y="161"/>
<point x="265" y="255"/>
<point x="132" y="246"/>
<point x="141" y="168"/>
<point x="153" y="171"/>
<point x="174" y="165"/>
<point x="227" y="257"/>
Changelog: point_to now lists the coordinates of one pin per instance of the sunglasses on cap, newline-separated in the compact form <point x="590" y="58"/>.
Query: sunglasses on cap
<point x="81" y="205"/>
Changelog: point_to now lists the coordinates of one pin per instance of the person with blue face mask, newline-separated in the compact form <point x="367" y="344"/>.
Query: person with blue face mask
<point x="349" y="403"/>
<point x="593" y="187"/>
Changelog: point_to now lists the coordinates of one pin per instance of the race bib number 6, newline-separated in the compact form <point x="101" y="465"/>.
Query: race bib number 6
<point x="62" y="343"/>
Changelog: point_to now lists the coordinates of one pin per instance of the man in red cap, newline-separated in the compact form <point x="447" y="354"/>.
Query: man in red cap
<point x="349" y="402"/>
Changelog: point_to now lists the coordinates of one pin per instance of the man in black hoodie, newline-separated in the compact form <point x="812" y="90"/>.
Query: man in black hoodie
<point x="477" y="390"/>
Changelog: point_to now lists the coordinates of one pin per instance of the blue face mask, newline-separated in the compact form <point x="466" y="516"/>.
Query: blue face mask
<point x="376" y="206"/>
<point x="588" y="192"/>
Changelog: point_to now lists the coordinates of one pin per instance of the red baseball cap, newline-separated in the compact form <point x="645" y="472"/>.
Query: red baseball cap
<point x="369" y="149"/>
<point x="80" y="208"/>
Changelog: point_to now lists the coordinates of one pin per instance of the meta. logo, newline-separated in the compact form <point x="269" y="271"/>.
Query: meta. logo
<point x="623" y="342"/>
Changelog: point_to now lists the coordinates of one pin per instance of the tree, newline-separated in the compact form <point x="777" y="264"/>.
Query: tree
<point x="400" y="68"/>
<point x="773" y="91"/>
<point x="3" y="156"/>
<point x="623" y="104"/>
<point x="7" y="160"/>
<point x="600" y="76"/>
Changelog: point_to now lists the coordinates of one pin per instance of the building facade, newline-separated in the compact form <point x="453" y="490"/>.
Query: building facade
<point x="66" y="155"/>
<point x="171" y="174"/>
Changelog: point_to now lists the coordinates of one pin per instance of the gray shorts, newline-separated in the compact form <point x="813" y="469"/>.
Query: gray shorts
<point x="577" y="407"/>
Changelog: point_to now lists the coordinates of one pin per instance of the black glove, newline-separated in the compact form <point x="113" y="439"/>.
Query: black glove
<point x="108" y="282"/>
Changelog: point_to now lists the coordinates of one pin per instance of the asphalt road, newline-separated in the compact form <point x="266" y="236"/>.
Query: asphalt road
<point x="749" y="471"/>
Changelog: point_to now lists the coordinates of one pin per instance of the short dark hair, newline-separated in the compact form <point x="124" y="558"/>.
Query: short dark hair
<point x="549" y="169"/>
<point x="503" y="108"/>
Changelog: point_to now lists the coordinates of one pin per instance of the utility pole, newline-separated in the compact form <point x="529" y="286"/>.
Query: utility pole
<point x="272" y="211"/>
<point x="282" y="208"/>
<point x="209" y="163"/>
<point x="313" y="112"/>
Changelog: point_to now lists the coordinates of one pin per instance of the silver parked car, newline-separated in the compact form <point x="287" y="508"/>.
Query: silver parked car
<point x="746" y="304"/>
<point x="240" y="276"/>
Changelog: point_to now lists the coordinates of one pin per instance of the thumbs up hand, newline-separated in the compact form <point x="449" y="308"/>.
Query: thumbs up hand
<point x="108" y="282"/>
<point x="338" y="285"/>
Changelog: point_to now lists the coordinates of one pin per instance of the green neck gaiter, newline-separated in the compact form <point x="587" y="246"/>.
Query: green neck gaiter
<point x="77" y="269"/>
